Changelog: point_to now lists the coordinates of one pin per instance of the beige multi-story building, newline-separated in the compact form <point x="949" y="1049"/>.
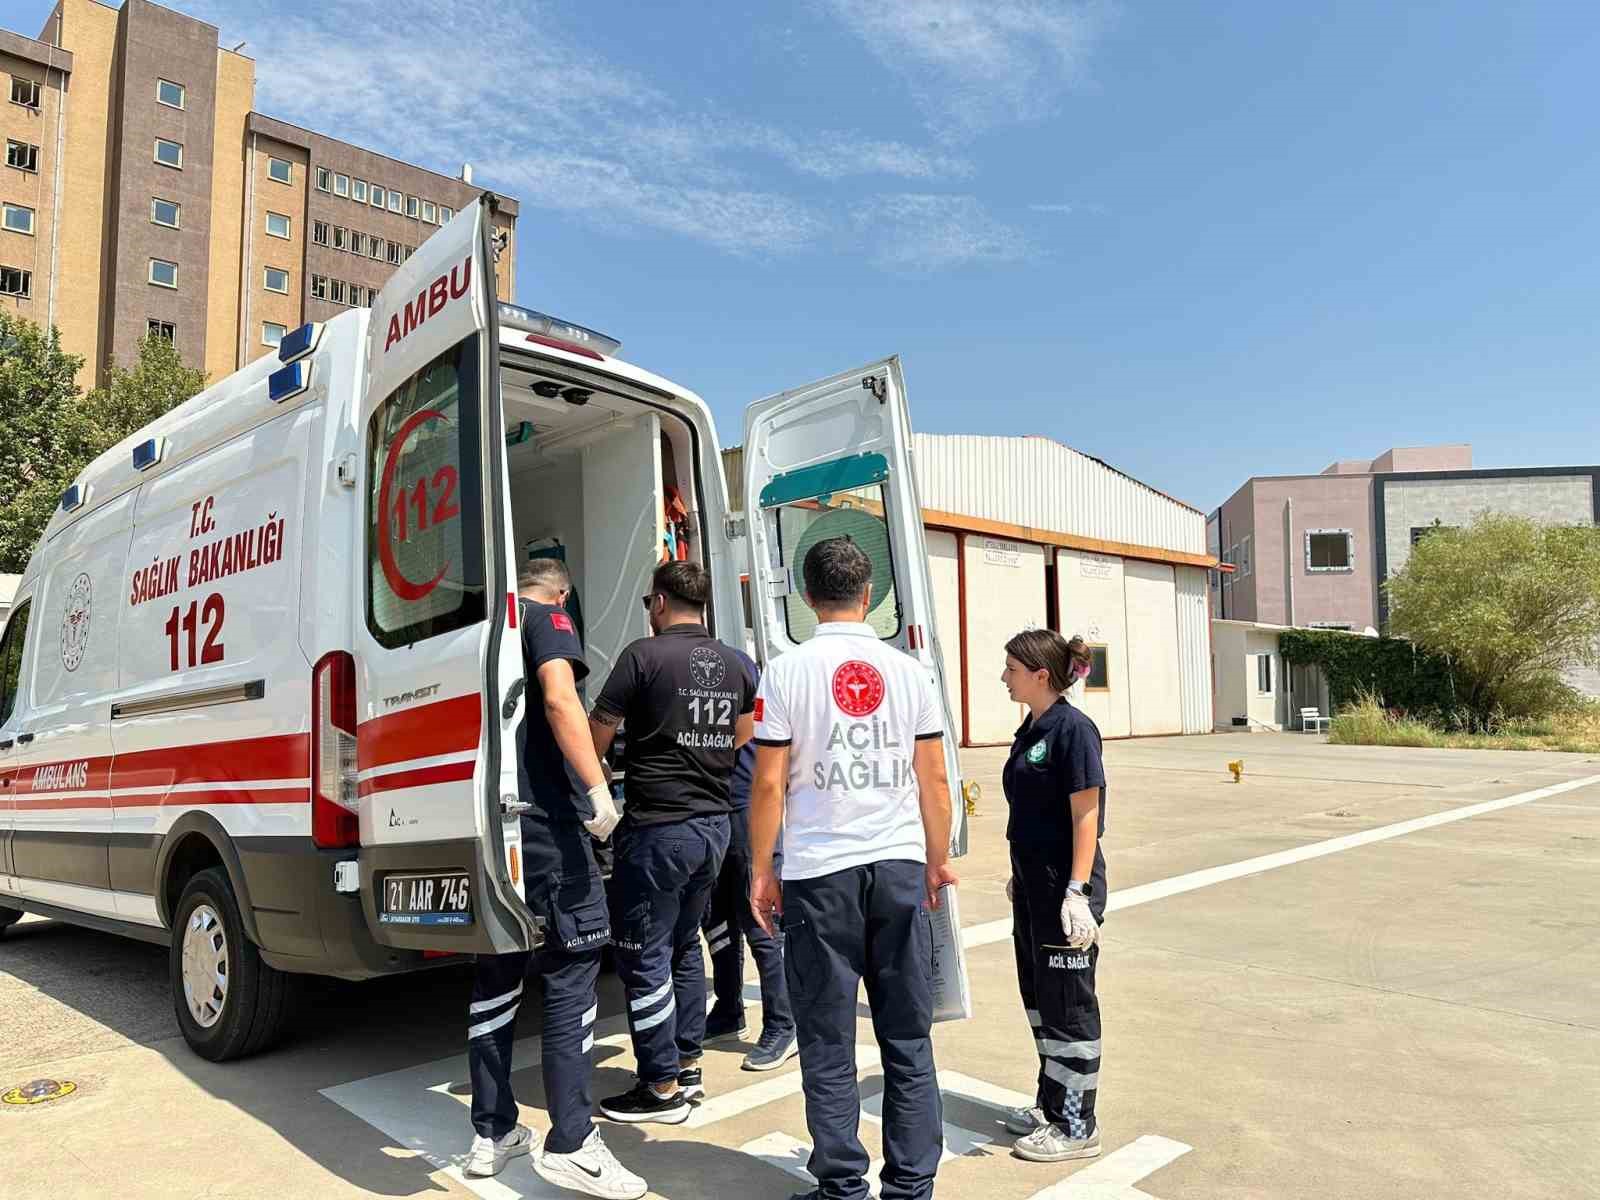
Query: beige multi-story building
<point x="143" y="194"/>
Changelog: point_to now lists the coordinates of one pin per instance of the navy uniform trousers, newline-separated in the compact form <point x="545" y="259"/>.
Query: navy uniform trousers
<point x="1057" y="985"/>
<point x="727" y="917"/>
<point x="565" y="888"/>
<point x="662" y="878"/>
<point x="865" y="923"/>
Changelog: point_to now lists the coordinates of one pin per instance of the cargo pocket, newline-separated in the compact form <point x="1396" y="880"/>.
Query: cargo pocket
<point x="580" y="920"/>
<point x="802" y="964"/>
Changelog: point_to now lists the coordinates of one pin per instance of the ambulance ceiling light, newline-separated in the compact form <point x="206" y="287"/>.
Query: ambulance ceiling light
<point x="75" y="497"/>
<point x="301" y="342"/>
<point x="288" y="382"/>
<point x="148" y="453"/>
<point x="545" y="330"/>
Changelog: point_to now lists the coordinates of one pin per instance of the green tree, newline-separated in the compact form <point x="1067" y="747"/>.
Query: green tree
<point x="50" y="431"/>
<point x="1510" y="602"/>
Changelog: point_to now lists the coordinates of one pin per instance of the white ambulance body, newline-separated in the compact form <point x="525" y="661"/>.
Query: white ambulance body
<point x="261" y="679"/>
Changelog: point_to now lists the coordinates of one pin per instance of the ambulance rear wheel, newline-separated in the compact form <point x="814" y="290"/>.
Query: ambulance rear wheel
<point x="229" y="1003"/>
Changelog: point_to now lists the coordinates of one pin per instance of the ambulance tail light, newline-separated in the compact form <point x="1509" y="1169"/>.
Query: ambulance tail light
<point x="333" y="752"/>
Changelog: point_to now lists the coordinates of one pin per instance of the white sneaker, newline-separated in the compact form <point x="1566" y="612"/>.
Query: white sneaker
<point x="489" y="1156"/>
<point x="1023" y="1121"/>
<point x="591" y="1169"/>
<point x="1048" y="1144"/>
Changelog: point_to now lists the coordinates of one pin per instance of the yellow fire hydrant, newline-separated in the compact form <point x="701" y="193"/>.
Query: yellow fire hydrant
<point x="1237" y="767"/>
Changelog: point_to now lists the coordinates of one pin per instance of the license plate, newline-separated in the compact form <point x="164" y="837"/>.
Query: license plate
<point x="437" y="898"/>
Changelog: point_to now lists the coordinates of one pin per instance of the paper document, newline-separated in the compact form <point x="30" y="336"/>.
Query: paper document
<point x="952" y="994"/>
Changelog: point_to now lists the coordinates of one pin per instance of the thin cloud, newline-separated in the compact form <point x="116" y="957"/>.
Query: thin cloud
<point x="1067" y="209"/>
<point x="917" y="233"/>
<point x="975" y="64"/>
<point x="552" y="122"/>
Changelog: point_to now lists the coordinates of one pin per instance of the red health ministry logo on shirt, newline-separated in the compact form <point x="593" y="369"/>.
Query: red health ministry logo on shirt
<point x="761" y="708"/>
<point x="857" y="688"/>
<point x="561" y="621"/>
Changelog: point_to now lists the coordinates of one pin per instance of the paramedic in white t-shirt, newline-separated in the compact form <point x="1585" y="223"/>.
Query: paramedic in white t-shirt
<point x="850" y="761"/>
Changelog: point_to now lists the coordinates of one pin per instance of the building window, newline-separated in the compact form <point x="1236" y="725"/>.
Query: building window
<point x="1264" y="674"/>
<point x="376" y="248"/>
<point x="319" y="233"/>
<point x="278" y="225"/>
<point x="413" y="206"/>
<point x="163" y="273"/>
<point x="410" y="250"/>
<point x="1099" y="678"/>
<point x="25" y="92"/>
<point x="280" y="170"/>
<point x="357" y="295"/>
<point x="14" y="281"/>
<point x="395" y="249"/>
<point x="341" y="185"/>
<point x="395" y="201"/>
<point x="445" y="214"/>
<point x="272" y="333"/>
<point x="1418" y="532"/>
<point x="164" y="212"/>
<point x="1329" y="550"/>
<point x="1344" y="625"/>
<point x="339" y="232"/>
<point x="24" y="156"/>
<point x="17" y="219"/>
<point x="169" y="93"/>
<point x="324" y="180"/>
<point x="377" y="196"/>
<point x="319" y="287"/>
<point x="276" y="279"/>
<point x="169" y="154"/>
<point x="358" y="243"/>
<point x="165" y="330"/>
<point x="428" y="213"/>
<point x="336" y="290"/>
<point x="358" y="190"/>
<point x="1244" y="555"/>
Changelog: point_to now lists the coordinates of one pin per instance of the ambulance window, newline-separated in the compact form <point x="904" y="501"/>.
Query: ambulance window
<point x="425" y="569"/>
<point x="11" y="648"/>
<point x="857" y="514"/>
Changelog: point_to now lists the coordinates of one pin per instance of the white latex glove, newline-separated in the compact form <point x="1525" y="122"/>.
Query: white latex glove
<point x="1078" y="923"/>
<point x="606" y="815"/>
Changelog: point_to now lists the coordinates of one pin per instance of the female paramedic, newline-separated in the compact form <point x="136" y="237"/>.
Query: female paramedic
<point x="1055" y="786"/>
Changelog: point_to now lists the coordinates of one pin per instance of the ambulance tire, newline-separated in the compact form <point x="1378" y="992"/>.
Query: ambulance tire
<point x="8" y="918"/>
<point x="255" y="1007"/>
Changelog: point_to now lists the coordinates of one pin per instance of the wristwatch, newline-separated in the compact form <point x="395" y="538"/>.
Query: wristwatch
<point x="1078" y="888"/>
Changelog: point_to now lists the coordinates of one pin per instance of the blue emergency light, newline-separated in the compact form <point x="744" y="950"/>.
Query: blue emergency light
<point x="148" y="453"/>
<point x="296" y="345"/>
<point x="288" y="382"/>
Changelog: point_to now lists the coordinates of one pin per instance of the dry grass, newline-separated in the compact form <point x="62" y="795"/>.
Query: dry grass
<point x="1366" y="723"/>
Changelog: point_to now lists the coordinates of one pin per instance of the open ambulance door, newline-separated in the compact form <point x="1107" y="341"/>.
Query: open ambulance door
<point x="835" y="458"/>
<point x="437" y="676"/>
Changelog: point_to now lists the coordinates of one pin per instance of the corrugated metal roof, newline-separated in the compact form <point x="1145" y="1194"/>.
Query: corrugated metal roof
<point x="1041" y="483"/>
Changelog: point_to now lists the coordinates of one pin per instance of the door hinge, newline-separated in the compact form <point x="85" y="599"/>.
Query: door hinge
<point x="512" y="807"/>
<point x="347" y="471"/>
<point x="876" y="385"/>
<point x="781" y="584"/>
<point x="733" y="528"/>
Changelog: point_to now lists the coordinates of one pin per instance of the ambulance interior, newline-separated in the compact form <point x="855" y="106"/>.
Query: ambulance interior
<point x="605" y="483"/>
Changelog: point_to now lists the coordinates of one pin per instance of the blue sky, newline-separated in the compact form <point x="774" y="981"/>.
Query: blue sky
<point x="1200" y="241"/>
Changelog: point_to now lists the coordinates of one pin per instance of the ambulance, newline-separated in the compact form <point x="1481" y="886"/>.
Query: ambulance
<point x="260" y="683"/>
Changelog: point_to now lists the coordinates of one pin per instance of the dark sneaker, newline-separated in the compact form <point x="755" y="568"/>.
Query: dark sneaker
<point x="643" y="1103"/>
<point x="725" y="1026"/>
<point x="772" y="1051"/>
<point x="691" y="1084"/>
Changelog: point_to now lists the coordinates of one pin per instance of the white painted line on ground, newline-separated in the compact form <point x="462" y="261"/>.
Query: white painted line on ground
<point x="791" y="1154"/>
<point x="1161" y="889"/>
<point x="1113" y="1177"/>
<point x="740" y="1100"/>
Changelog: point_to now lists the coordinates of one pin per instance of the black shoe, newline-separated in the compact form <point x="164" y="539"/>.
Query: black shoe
<point x="721" y="1025"/>
<point x="644" y="1104"/>
<point x="691" y="1084"/>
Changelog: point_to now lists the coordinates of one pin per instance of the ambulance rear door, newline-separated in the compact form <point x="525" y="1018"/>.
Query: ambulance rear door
<point x="438" y="680"/>
<point x="831" y="459"/>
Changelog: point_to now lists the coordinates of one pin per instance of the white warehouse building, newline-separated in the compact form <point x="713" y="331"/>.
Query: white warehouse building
<point x="1024" y="532"/>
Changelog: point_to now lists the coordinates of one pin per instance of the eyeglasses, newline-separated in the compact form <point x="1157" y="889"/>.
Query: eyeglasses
<point x="649" y="600"/>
